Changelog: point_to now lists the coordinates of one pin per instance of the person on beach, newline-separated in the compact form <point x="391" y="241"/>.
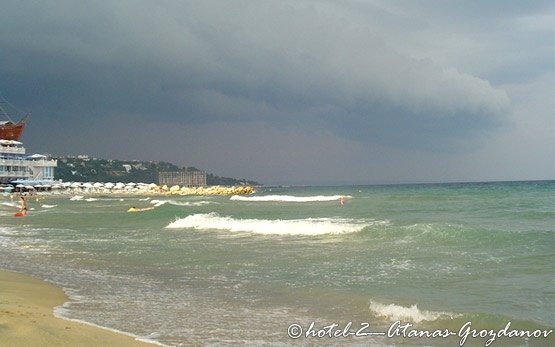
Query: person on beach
<point x="342" y="200"/>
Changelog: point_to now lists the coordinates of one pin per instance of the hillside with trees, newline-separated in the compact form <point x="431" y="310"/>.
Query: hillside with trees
<point x="87" y="169"/>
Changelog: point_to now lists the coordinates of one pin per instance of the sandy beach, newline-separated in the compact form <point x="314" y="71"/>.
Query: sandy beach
<point x="27" y="319"/>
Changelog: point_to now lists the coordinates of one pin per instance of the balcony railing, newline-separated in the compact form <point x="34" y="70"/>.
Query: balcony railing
<point x="13" y="162"/>
<point x="43" y="162"/>
<point x="12" y="150"/>
<point x="14" y="174"/>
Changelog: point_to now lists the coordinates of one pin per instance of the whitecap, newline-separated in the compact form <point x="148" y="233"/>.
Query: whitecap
<point x="191" y="203"/>
<point x="308" y="226"/>
<point x="157" y="203"/>
<point x="406" y="314"/>
<point x="289" y="198"/>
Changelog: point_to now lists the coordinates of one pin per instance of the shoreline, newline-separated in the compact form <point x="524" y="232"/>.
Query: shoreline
<point x="27" y="317"/>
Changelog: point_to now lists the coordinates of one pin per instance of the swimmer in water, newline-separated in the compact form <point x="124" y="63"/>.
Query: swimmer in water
<point x="22" y="205"/>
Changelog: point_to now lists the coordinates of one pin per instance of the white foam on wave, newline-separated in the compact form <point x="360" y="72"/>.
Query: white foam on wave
<point x="48" y="206"/>
<point x="289" y="198"/>
<point x="10" y="204"/>
<point x="157" y="203"/>
<point x="309" y="226"/>
<point x="406" y="314"/>
<point x="8" y="231"/>
<point x="76" y="197"/>
<point x="191" y="203"/>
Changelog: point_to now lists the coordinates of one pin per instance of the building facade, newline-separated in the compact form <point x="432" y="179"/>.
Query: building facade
<point x="16" y="165"/>
<point x="184" y="178"/>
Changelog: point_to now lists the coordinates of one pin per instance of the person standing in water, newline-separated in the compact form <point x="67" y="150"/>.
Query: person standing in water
<point x="22" y="205"/>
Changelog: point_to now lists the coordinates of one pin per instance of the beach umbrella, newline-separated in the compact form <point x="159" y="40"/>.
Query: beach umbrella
<point x="109" y="185"/>
<point x="20" y="186"/>
<point x="75" y="185"/>
<point x="98" y="185"/>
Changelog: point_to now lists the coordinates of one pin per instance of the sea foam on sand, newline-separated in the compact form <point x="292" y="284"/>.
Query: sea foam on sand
<point x="28" y="320"/>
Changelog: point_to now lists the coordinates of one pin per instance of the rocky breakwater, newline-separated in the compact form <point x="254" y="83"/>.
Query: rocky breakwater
<point x="98" y="188"/>
<point x="211" y="190"/>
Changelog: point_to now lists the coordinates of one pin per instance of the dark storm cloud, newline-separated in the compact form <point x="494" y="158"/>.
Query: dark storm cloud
<point x="278" y="62"/>
<point x="280" y="90"/>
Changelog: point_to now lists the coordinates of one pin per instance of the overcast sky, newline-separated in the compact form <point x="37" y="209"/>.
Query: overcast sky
<point x="290" y="92"/>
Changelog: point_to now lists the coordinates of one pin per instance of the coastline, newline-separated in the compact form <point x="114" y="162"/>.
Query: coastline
<point x="209" y="281"/>
<point x="27" y="317"/>
<point x="152" y="189"/>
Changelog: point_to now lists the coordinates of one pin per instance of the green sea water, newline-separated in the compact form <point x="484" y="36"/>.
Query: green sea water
<point x="220" y="270"/>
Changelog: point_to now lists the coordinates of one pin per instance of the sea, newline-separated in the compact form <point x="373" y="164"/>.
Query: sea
<point x="394" y="265"/>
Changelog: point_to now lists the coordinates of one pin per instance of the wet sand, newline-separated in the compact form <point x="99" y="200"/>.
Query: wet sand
<point x="27" y="318"/>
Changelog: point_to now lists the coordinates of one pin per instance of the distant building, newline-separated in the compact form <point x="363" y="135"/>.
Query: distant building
<point x="15" y="165"/>
<point x="41" y="167"/>
<point x="187" y="178"/>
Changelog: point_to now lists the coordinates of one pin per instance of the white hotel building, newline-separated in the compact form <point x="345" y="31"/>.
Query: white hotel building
<point x="15" y="165"/>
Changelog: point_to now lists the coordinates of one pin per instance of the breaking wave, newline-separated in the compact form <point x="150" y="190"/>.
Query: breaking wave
<point x="406" y="314"/>
<point x="289" y="198"/>
<point x="157" y="203"/>
<point x="309" y="226"/>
